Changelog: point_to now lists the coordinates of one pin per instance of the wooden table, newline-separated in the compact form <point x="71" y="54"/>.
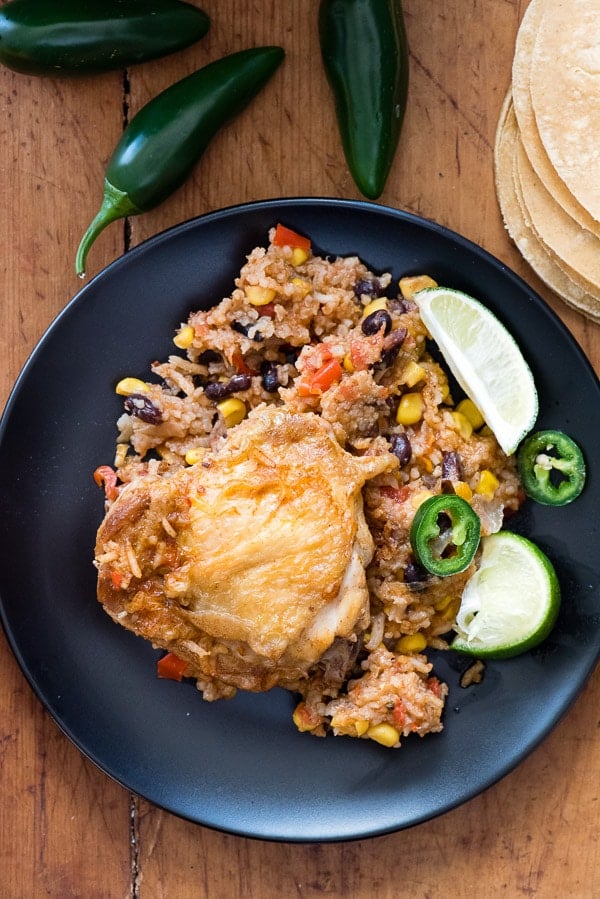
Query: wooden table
<point x="66" y="830"/>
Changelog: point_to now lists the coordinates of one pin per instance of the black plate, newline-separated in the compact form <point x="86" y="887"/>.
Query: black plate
<point x="240" y="765"/>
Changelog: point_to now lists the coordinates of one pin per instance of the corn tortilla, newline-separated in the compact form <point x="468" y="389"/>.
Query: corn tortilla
<point x="520" y="228"/>
<point x="529" y="134"/>
<point x="565" y="94"/>
<point x="575" y="282"/>
<point x="576" y="247"/>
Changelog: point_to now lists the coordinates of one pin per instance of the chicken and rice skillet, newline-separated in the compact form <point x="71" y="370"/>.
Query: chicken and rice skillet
<point x="266" y="480"/>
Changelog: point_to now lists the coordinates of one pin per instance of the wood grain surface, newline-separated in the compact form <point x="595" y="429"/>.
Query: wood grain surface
<point x="66" y="830"/>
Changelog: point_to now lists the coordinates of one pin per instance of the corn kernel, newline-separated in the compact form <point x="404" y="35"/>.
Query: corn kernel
<point x="259" y="296"/>
<point x="299" y="255"/>
<point x="302" y="286"/>
<point x="341" y="723"/>
<point x="195" y="454"/>
<point x="410" y="409"/>
<point x="233" y="411"/>
<point x="462" y="489"/>
<point x="427" y="464"/>
<point x="347" y="363"/>
<point x="417" y="499"/>
<point x="409" y="286"/>
<point x="301" y="721"/>
<point x="412" y="374"/>
<point x="488" y="483"/>
<point x="375" y="306"/>
<point x="450" y="612"/>
<point x="384" y="734"/>
<point x="184" y="337"/>
<point x="462" y="425"/>
<point x="468" y="408"/>
<point x="361" y="727"/>
<point x="128" y="386"/>
<point x="442" y="604"/>
<point x="411" y="643"/>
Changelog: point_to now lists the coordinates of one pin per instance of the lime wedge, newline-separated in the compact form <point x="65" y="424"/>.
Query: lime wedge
<point x="485" y="360"/>
<point x="511" y="602"/>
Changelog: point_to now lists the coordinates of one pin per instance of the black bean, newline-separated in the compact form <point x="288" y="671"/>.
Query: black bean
<point x="451" y="467"/>
<point x="414" y="573"/>
<point x="401" y="448"/>
<point x="368" y="287"/>
<point x="240" y="382"/>
<point x="391" y="346"/>
<point x="222" y="389"/>
<point x="209" y="356"/>
<point x="377" y="320"/>
<point x="290" y="353"/>
<point x="244" y="329"/>
<point x="270" y="376"/>
<point x="143" y="408"/>
<point x="217" y="391"/>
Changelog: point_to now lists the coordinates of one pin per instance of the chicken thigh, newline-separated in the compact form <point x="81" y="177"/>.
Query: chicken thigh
<point x="249" y="564"/>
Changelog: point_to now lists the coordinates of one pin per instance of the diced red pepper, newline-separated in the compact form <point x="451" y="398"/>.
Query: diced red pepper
<point x="117" y="579"/>
<point x="434" y="685"/>
<point x="399" y="714"/>
<point x="105" y="475"/>
<point x="321" y="380"/>
<point x="397" y="494"/>
<point x="316" y="357"/>
<point x="171" y="667"/>
<point x="285" y="237"/>
<point x="240" y="363"/>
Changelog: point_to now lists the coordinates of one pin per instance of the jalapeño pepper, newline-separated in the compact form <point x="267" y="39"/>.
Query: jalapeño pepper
<point x="162" y="143"/>
<point x="551" y="468"/>
<point x="445" y="534"/>
<point x="66" y="37"/>
<point x="365" y="56"/>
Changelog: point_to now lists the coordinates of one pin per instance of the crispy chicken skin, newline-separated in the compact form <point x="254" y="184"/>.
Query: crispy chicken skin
<point x="249" y="564"/>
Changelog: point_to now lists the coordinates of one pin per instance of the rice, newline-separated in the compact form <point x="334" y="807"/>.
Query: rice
<point x="310" y="316"/>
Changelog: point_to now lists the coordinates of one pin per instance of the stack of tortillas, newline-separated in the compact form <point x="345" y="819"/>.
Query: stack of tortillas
<point x="547" y="152"/>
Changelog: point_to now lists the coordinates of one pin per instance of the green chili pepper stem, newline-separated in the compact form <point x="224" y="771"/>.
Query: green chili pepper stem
<point x="71" y="37"/>
<point x="115" y="205"/>
<point x="166" y="138"/>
